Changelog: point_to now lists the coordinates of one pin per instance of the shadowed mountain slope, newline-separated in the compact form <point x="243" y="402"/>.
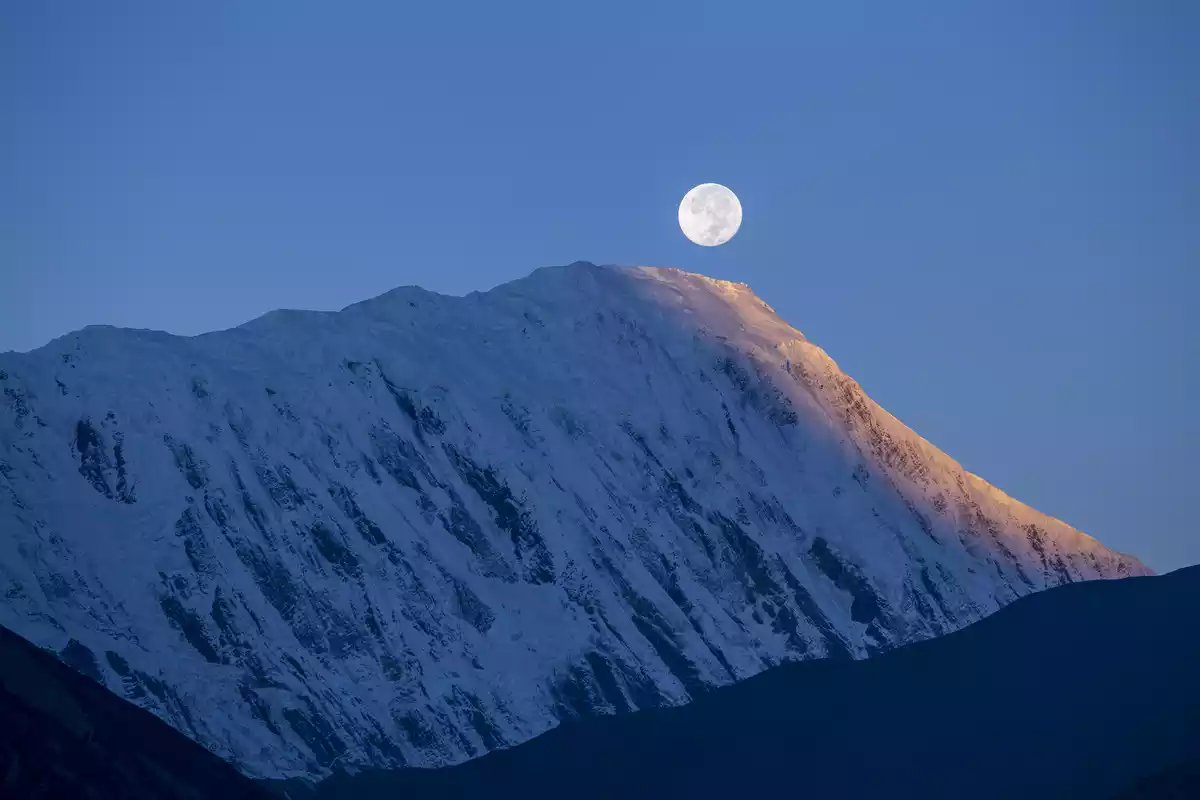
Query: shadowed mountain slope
<point x="1181" y="782"/>
<point x="1074" y="692"/>
<point x="63" y="736"/>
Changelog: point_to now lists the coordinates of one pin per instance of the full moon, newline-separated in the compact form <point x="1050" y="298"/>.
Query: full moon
<point x="710" y="214"/>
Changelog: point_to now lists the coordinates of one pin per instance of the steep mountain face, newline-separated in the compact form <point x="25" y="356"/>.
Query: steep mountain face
<point x="1067" y="693"/>
<point x="425" y="527"/>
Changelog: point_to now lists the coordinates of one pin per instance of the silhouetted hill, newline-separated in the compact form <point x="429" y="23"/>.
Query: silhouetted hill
<point x="1073" y="692"/>
<point x="64" y="736"/>
<point x="1181" y="782"/>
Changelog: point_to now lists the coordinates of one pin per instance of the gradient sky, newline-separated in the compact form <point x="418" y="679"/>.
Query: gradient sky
<point x="989" y="216"/>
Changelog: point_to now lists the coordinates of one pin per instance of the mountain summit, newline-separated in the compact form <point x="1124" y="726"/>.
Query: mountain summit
<point x="425" y="527"/>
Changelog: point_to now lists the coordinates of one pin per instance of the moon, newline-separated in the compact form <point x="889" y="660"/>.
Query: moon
<point x="710" y="214"/>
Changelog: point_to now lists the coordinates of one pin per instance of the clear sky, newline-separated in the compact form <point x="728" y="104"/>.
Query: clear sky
<point x="987" y="213"/>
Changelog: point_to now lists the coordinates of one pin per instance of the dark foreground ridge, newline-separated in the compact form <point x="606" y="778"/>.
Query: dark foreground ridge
<point x="1181" y="782"/>
<point x="1079" y="691"/>
<point x="64" y="736"/>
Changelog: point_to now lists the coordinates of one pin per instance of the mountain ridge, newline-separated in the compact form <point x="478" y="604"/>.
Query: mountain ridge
<point x="425" y="526"/>
<point x="412" y="290"/>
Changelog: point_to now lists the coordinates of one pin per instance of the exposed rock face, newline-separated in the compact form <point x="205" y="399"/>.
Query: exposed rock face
<point x="425" y="527"/>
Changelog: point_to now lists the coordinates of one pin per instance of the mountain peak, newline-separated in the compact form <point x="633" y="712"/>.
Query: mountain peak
<point x="681" y="302"/>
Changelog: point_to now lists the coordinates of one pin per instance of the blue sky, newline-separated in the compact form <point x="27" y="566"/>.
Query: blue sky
<point x="988" y="213"/>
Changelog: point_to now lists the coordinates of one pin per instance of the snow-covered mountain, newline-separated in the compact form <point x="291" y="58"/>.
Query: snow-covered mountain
<point x="424" y="527"/>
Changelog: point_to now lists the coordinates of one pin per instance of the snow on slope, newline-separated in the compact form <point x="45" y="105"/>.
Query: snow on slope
<point x="424" y="527"/>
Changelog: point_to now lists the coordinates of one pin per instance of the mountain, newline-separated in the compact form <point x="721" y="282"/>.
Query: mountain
<point x="426" y="527"/>
<point x="65" y="736"/>
<point x="1073" y="692"/>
